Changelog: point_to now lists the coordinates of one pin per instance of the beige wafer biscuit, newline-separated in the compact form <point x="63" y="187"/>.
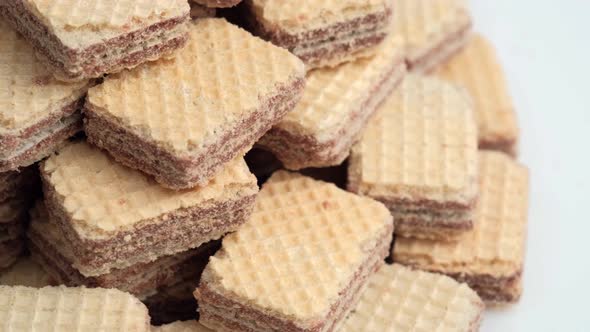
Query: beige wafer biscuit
<point x="115" y="217"/>
<point x="478" y="69"/>
<point x="70" y="309"/>
<point x="299" y="262"/>
<point x="432" y="29"/>
<point x="336" y="105"/>
<point x="182" y="120"/>
<point x="489" y="258"/>
<point x="401" y="299"/>
<point x="25" y="272"/>
<point x="186" y="326"/>
<point x="322" y="33"/>
<point x="37" y="113"/>
<point x="80" y="39"/>
<point x="418" y="156"/>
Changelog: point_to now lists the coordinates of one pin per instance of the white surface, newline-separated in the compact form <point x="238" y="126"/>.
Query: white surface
<point x="545" y="48"/>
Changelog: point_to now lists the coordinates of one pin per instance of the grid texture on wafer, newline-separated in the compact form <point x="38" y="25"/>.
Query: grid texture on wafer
<point x="401" y="299"/>
<point x="301" y="247"/>
<point x="478" y="69"/>
<point x="497" y="243"/>
<point x="102" y="195"/>
<point x="82" y="22"/>
<point x="427" y="23"/>
<point x="70" y="309"/>
<point x="28" y="92"/>
<point x="220" y="77"/>
<point x="308" y="14"/>
<point x="25" y="272"/>
<point x="331" y="95"/>
<point x="421" y="144"/>
<point x="185" y="326"/>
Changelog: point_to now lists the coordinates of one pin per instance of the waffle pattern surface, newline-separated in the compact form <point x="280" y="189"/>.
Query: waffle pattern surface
<point x="306" y="14"/>
<point x="100" y="194"/>
<point x="427" y="23"/>
<point x="421" y="143"/>
<point x="183" y="104"/>
<point x="25" y="272"/>
<point x="301" y="247"/>
<point x="496" y="245"/>
<point x="401" y="299"/>
<point x="186" y="326"/>
<point x="104" y="14"/>
<point x="332" y="94"/>
<point x="70" y="309"/>
<point x="478" y="69"/>
<point x="28" y="92"/>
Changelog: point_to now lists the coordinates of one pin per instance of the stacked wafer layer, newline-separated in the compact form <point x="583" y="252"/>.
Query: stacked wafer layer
<point x="489" y="258"/>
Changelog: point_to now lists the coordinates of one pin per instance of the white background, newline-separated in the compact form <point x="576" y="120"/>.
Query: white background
<point x="544" y="46"/>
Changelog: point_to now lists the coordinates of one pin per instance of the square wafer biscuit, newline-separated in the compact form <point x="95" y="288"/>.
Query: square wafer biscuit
<point x="489" y="258"/>
<point x="185" y="326"/>
<point x="418" y="156"/>
<point x="115" y="217"/>
<point x="25" y="272"/>
<point x="37" y="112"/>
<point x="70" y="309"/>
<point x="336" y="105"/>
<point x="81" y="39"/>
<point x="53" y="252"/>
<point x="433" y="30"/>
<point x="322" y="33"/>
<point x="300" y="260"/>
<point x="217" y="3"/>
<point x="477" y="68"/>
<point x="401" y="299"/>
<point x="182" y="120"/>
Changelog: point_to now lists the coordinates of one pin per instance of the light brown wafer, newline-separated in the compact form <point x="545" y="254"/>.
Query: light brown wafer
<point x="418" y="155"/>
<point x="401" y="299"/>
<point x="70" y="309"/>
<point x="300" y="261"/>
<point x="478" y="69"/>
<point x="182" y="120"/>
<point x="25" y="272"/>
<point x="322" y="33"/>
<point x="336" y="105"/>
<point x="186" y="326"/>
<point x="489" y="258"/>
<point x="115" y="217"/>
<point x="36" y="112"/>
<point x="80" y="39"/>
<point x="433" y="30"/>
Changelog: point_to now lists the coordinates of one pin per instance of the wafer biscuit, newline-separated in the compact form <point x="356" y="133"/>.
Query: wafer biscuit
<point x="25" y="272"/>
<point x="336" y="105"/>
<point x="298" y="263"/>
<point x="489" y="258"/>
<point x="186" y="326"/>
<point x="322" y="33"/>
<point x="70" y="309"/>
<point x="37" y="112"/>
<point x="418" y="156"/>
<point x="205" y="107"/>
<point x="433" y="30"/>
<point x="81" y="39"/>
<point x="478" y="69"/>
<point x="217" y="3"/>
<point x="54" y="253"/>
<point x="401" y="299"/>
<point x="115" y="217"/>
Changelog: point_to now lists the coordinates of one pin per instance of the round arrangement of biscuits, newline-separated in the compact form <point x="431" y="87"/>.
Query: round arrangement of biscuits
<point x="263" y="165"/>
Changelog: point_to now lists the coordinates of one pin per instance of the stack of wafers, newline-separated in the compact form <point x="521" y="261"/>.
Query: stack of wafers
<point x="366" y="123"/>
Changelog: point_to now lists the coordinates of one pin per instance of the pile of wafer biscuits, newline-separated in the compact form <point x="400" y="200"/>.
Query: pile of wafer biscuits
<point x="256" y="165"/>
